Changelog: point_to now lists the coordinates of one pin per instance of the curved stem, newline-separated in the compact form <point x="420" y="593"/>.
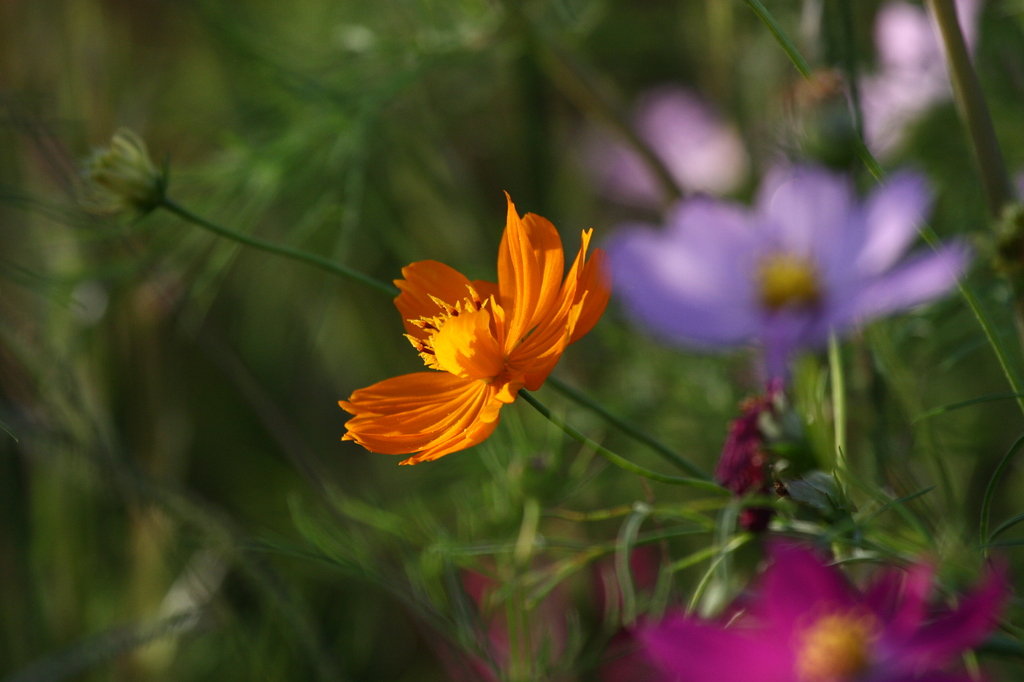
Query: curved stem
<point x="391" y="290"/>
<point x="615" y="459"/>
<point x="990" y="492"/>
<point x="279" y="249"/>
<point x="666" y="452"/>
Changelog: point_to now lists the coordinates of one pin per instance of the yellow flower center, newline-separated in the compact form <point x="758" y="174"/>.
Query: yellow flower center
<point x="787" y="280"/>
<point x="837" y="648"/>
<point x="433" y="325"/>
<point x="460" y="339"/>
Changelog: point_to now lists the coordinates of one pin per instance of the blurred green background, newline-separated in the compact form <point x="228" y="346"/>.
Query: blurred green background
<point x="177" y="503"/>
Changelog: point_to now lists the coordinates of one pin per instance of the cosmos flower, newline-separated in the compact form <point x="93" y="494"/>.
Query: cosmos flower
<point x="482" y="342"/>
<point x="702" y="152"/>
<point x="807" y="623"/>
<point x="808" y="260"/>
<point x="911" y="75"/>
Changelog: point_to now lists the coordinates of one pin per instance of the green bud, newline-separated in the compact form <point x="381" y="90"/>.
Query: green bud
<point x="122" y="177"/>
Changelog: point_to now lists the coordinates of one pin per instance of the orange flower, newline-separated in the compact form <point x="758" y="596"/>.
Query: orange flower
<point x="487" y="341"/>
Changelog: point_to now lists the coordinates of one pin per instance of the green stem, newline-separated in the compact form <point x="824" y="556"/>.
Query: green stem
<point x="624" y="547"/>
<point x="973" y="108"/>
<point x="279" y="249"/>
<point x="633" y="432"/>
<point x="990" y="493"/>
<point x="787" y="45"/>
<point x="391" y="290"/>
<point x="993" y="338"/>
<point x="835" y="363"/>
<point x="615" y="459"/>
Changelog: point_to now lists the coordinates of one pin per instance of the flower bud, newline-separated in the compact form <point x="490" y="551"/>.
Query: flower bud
<point x="122" y="177"/>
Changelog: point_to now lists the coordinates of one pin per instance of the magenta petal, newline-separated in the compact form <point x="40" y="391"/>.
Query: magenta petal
<point x="900" y="598"/>
<point x="694" y="651"/>
<point x="797" y="584"/>
<point x="924" y="677"/>
<point x="626" y="661"/>
<point x="916" y="281"/>
<point x="959" y="629"/>
<point x="893" y="214"/>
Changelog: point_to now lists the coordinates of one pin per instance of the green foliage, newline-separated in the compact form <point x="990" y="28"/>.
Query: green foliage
<point x="175" y="500"/>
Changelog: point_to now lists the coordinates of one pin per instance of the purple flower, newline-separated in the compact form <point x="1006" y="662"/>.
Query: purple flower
<point x="807" y="623"/>
<point x="702" y="152"/>
<point x="809" y="259"/>
<point x="911" y="74"/>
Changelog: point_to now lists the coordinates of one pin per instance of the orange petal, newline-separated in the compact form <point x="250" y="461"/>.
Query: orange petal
<point x="424" y="279"/>
<point x="596" y="285"/>
<point x="530" y="268"/>
<point x="466" y="346"/>
<point x="582" y="300"/>
<point x="552" y="334"/>
<point x="432" y="413"/>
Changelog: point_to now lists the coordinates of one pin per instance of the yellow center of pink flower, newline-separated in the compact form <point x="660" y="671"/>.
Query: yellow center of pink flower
<point x="788" y="281"/>
<point x="836" y="648"/>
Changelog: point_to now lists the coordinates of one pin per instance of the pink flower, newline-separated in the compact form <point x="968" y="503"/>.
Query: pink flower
<point x="807" y="623"/>
<point x="702" y="152"/>
<point x="911" y="76"/>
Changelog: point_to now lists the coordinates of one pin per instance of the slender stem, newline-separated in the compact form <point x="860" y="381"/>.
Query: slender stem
<point x="835" y="363"/>
<point x="615" y="459"/>
<point x="973" y="108"/>
<point x="571" y="79"/>
<point x="279" y="249"/>
<point x="990" y="492"/>
<point x="787" y="45"/>
<point x="667" y="453"/>
<point x="391" y="290"/>
<point x="997" y="344"/>
<point x="624" y="547"/>
<point x="987" y="326"/>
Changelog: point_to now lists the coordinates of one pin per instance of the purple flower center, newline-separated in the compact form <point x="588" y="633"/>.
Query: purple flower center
<point x="786" y="280"/>
<point x="836" y="648"/>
